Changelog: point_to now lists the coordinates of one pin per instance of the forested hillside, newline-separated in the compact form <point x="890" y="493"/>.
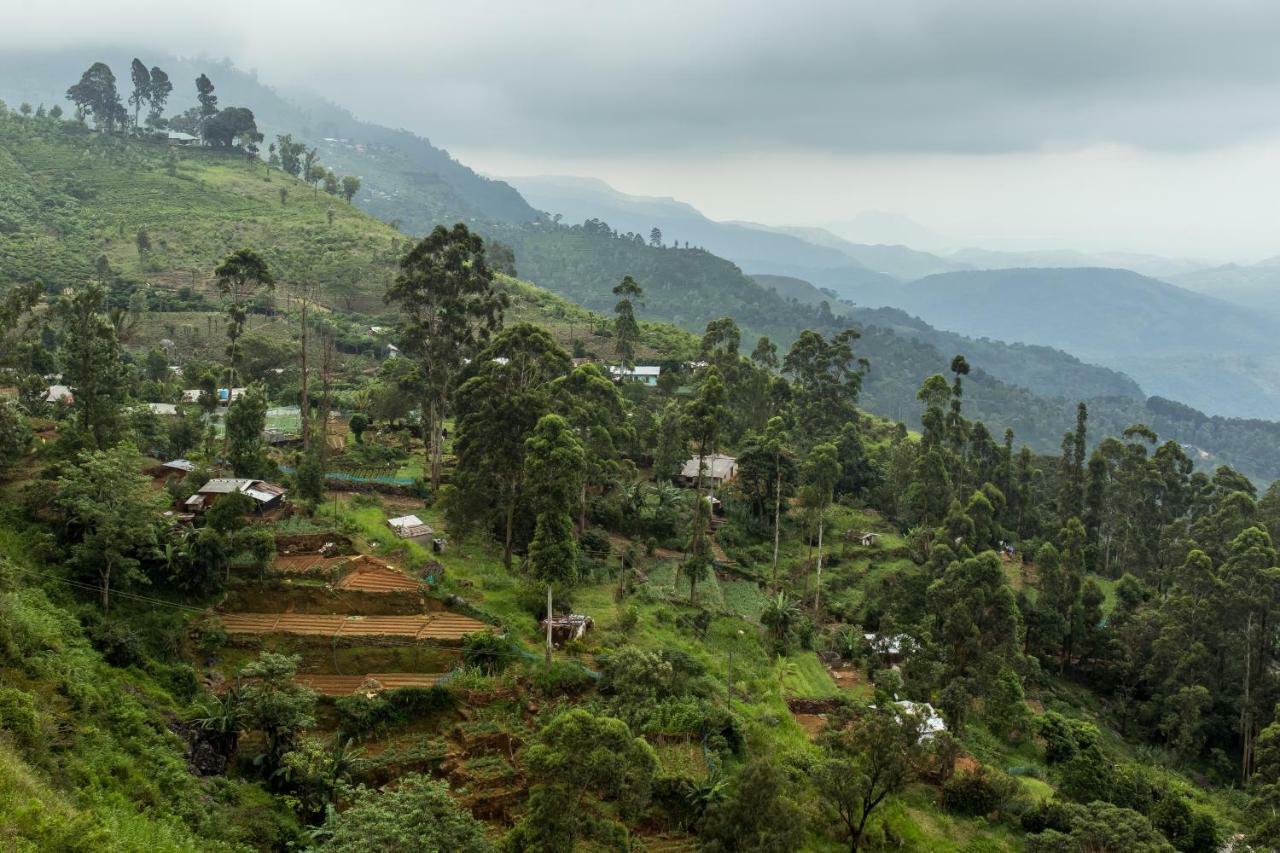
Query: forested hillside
<point x="307" y="614"/>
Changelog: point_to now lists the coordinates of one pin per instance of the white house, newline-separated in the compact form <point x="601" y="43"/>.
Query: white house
<point x="645" y="374"/>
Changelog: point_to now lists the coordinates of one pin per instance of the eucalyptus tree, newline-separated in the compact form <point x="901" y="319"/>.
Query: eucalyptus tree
<point x="826" y="378"/>
<point x="449" y="309"/>
<point x="626" y="331"/>
<point x="597" y="414"/>
<point x="507" y="390"/>
<point x="820" y="474"/>
<point x="239" y="277"/>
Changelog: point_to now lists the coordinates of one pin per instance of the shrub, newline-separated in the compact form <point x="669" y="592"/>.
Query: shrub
<point x="18" y="715"/>
<point x="979" y="792"/>
<point x="531" y="597"/>
<point x="490" y="652"/>
<point x="119" y="644"/>
<point x="595" y="542"/>
<point x="564" y="677"/>
<point x="361" y="714"/>
<point x="1064" y="737"/>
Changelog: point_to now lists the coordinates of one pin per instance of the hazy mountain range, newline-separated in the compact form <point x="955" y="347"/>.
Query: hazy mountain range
<point x="1212" y="353"/>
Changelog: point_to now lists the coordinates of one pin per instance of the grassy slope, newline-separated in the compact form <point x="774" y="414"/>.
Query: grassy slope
<point x="73" y="195"/>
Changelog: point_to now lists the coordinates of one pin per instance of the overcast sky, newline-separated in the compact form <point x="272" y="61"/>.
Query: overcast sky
<point x="1146" y="125"/>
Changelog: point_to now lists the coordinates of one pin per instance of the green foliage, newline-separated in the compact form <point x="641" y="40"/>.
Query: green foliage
<point x="492" y="653"/>
<point x="246" y="419"/>
<point x="417" y="814"/>
<point x="979" y="792"/>
<point x="360" y="715"/>
<point x="757" y="812"/>
<point x="276" y="705"/>
<point x="1098" y="827"/>
<point x="18" y="715"/>
<point x="15" y="436"/>
<point x="580" y="762"/>
<point x="111" y="518"/>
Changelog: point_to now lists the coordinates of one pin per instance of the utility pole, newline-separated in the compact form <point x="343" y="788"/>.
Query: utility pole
<point x="548" y="626"/>
<point x="728" y="683"/>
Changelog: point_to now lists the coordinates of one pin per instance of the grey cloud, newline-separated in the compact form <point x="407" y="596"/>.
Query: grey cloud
<point x="843" y="76"/>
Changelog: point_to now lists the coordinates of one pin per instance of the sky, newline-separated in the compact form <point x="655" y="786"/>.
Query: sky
<point x="1138" y="125"/>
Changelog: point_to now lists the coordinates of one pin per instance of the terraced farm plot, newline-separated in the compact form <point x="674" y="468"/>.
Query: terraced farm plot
<point x="345" y="685"/>
<point x="373" y="575"/>
<point x="434" y="626"/>
<point x="290" y="564"/>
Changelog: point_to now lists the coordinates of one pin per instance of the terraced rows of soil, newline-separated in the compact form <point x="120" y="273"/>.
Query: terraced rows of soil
<point x="290" y="564"/>
<point x="369" y="574"/>
<point x="387" y="610"/>
<point x="345" y="685"/>
<point x="433" y="626"/>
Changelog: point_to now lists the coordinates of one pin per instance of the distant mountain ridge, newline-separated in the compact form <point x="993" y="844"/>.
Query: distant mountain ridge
<point x="1186" y="346"/>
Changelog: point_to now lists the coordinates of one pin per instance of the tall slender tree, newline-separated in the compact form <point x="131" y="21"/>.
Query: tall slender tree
<point x="141" y="93"/>
<point x="554" y="464"/>
<point x="821" y="472"/>
<point x="626" y="332"/>
<point x="240" y="275"/>
<point x="204" y="94"/>
<point x="158" y="96"/>
<point x="449" y="309"/>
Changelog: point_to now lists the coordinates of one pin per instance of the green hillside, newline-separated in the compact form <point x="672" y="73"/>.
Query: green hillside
<point x="70" y="196"/>
<point x="257" y="672"/>
<point x="405" y="177"/>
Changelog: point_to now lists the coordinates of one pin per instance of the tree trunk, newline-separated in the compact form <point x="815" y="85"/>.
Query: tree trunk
<point x="582" y="509"/>
<point x="429" y="438"/>
<point x="105" y="586"/>
<point x="817" y="592"/>
<point x="305" y="409"/>
<point x="1246" y="711"/>
<point x="511" y="523"/>
<point x="777" y="516"/>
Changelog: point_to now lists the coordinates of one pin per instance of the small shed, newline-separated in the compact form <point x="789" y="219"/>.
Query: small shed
<point x="410" y="527"/>
<point x="868" y="539"/>
<point x="162" y="409"/>
<point x="59" y="394"/>
<point x="571" y="626"/>
<point x="191" y="395"/>
<point x="179" y="466"/>
<point x="717" y="469"/>
<point x="177" y="137"/>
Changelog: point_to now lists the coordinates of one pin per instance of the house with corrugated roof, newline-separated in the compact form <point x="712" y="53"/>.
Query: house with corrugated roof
<point x="266" y="496"/>
<point x="717" y="469"/>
